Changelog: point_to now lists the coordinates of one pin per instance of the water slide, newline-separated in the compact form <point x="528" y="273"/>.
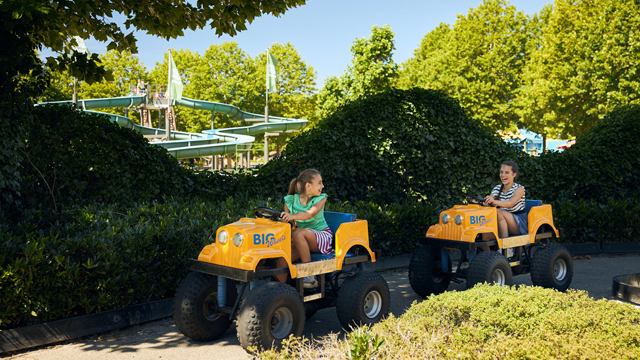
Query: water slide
<point x="187" y="145"/>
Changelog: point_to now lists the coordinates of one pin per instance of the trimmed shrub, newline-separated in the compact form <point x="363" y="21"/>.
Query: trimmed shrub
<point x="603" y="164"/>
<point x="401" y="143"/>
<point x="613" y="220"/>
<point x="489" y="322"/>
<point x="73" y="157"/>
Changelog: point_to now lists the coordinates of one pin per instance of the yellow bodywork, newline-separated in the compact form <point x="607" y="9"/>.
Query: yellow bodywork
<point x="478" y="219"/>
<point x="267" y="239"/>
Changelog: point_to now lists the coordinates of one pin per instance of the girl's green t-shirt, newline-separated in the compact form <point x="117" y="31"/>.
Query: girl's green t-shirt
<point x="317" y="222"/>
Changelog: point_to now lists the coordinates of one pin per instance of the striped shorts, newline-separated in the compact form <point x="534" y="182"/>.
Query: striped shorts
<point x="325" y="240"/>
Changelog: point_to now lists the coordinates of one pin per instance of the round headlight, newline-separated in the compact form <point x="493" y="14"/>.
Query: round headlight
<point x="222" y="237"/>
<point x="445" y="218"/>
<point x="458" y="219"/>
<point x="237" y="239"/>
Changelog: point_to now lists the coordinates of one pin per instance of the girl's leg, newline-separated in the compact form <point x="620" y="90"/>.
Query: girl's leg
<point x="507" y="224"/>
<point x="303" y="242"/>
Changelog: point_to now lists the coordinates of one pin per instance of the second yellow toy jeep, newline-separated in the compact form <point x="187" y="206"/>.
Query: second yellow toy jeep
<point x="246" y="253"/>
<point x="462" y="227"/>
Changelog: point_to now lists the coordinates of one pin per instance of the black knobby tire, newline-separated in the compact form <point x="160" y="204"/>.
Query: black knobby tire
<point x="271" y="313"/>
<point x="362" y="299"/>
<point x="489" y="267"/>
<point x="551" y="267"/>
<point x="195" y="307"/>
<point x="425" y="272"/>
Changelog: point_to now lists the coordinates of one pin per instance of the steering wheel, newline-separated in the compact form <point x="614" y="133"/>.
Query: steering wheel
<point x="271" y="214"/>
<point x="476" y="200"/>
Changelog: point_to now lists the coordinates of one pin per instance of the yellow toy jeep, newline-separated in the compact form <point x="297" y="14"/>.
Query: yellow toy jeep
<point x="246" y="253"/>
<point x="461" y="228"/>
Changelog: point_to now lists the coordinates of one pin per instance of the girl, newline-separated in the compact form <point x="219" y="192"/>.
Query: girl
<point x="305" y="205"/>
<point x="509" y="198"/>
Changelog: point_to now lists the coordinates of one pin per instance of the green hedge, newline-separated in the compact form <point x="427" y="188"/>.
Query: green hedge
<point x="604" y="163"/>
<point x="598" y="221"/>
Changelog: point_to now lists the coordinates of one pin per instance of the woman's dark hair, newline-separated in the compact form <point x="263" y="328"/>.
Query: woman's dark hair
<point x="514" y="168"/>
<point x="298" y="184"/>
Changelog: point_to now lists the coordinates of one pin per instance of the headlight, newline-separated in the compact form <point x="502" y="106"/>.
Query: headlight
<point x="445" y="218"/>
<point x="222" y="237"/>
<point x="458" y="219"/>
<point x="237" y="239"/>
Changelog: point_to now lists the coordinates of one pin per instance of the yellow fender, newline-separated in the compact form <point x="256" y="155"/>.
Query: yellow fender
<point x="349" y="235"/>
<point x="538" y="216"/>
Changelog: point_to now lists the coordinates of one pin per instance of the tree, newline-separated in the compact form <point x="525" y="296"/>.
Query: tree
<point x="126" y="69"/>
<point x="53" y="24"/>
<point x="60" y="87"/>
<point x="295" y="96"/>
<point x="372" y="71"/>
<point x="478" y="61"/>
<point x="224" y="74"/>
<point x="296" y="83"/>
<point x="586" y="64"/>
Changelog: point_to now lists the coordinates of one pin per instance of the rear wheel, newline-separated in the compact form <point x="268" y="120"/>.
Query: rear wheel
<point x="362" y="299"/>
<point x="489" y="267"/>
<point x="195" y="307"/>
<point x="425" y="272"/>
<point x="271" y="313"/>
<point x="551" y="267"/>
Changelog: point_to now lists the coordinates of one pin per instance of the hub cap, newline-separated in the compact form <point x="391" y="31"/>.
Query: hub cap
<point x="281" y="323"/>
<point x="372" y="304"/>
<point x="499" y="277"/>
<point x="559" y="270"/>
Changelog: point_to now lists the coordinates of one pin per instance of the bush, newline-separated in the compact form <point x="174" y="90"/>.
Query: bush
<point x="489" y="322"/>
<point x="73" y="156"/>
<point x="603" y="164"/>
<point x="613" y="220"/>
<point x="401" y="143"/>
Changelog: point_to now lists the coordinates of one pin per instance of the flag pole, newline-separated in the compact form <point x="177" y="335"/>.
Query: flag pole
<point x="266" y="138"/>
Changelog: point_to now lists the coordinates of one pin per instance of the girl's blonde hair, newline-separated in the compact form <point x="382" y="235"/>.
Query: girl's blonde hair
<point x="298" y="184"/>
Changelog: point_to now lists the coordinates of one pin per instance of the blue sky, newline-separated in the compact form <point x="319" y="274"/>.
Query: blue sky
<point x="323" y="30"/>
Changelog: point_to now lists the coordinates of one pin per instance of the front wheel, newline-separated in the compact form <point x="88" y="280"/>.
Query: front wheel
<point x="551" y="267"/>
<point x="489" y="267"/>
<point x="425" y="272"/>
<point x="270" y="314"/>
<point x="195" y="307"/>
<point x="363" y="299"/>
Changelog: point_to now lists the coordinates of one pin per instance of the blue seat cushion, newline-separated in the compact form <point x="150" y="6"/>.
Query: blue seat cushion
<point x="319" y="256"/>
<point x="334" y="219"/>
<point x="528" y="204"/>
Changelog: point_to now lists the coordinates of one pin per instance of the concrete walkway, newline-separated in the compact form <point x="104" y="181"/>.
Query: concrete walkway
<point x="161" y="340"/>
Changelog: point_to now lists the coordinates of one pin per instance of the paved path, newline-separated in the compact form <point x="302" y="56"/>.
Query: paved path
<point x="161" y="340"/>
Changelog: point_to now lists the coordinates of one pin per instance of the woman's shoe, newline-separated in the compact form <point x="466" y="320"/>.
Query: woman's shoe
<point x="309" y="282"/>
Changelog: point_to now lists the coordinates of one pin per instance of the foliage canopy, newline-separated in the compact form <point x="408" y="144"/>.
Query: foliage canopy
<point x="478" y="61"/>
<point x="371" y="71"/>
<point x="53" y="24"/>
<point x="586" y="64"/>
